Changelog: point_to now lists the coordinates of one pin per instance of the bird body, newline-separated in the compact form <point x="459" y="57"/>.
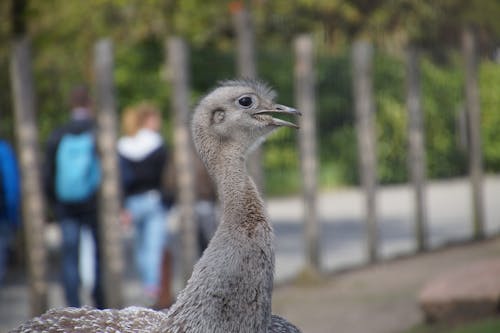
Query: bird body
<point x="87" y="319"/>
<point x="230" y="289"/>
<point x="233" y="280"/>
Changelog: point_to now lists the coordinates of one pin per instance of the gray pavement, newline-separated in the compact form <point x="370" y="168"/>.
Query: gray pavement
<point x="342" y="234"/>
<point x="380" y="298"/>
<point x="342" y="228"/>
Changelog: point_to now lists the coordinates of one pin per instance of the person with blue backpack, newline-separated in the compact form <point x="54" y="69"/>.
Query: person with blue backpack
<point x="10" y="199"/>
<point x="72" y="180"/>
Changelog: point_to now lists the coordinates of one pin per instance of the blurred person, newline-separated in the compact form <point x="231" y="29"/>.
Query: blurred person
<point x="143" y="158"/>
<point x="72" y="179"/>
<point x="10" y="199"/>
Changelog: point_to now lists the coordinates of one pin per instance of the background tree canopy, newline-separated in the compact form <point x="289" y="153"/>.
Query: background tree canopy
<point x="64" y="32"/>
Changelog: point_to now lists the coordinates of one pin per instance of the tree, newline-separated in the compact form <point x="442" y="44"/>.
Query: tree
<point x="27" y="137"/>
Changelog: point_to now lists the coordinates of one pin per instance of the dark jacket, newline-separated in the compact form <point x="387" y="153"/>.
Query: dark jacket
<point x="143" y="159"/>
<point x="64" y="210"/>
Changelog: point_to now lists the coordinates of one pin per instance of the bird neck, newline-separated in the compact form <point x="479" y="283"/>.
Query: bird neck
<point x="232" y="283"/>
<point x="232" y="179"/>
<point x="241" y="202"/>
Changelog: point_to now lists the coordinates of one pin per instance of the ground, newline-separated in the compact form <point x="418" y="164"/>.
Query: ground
<point x="376" y="299"/>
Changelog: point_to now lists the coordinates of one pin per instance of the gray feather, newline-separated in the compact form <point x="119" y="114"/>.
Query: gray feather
<point x="281" y="325"/>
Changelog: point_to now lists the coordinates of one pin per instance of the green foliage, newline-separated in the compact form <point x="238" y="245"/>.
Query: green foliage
<point x="343" y="154"/>
<point x="208" y="66"/>
<point x="282" y="170"/>
<point x="337" y="138"/>
<point x="391" y="140"/>
<point x="281" y="157"/>
<point x="391" y="119"/>
<point x="490" y="112"/>
<point x="138" y="73"/>
<point x="442" y="100"/>
<point x="488" y="325"/>
<point x="6" y="118"/>
<point x="64" y="33"/>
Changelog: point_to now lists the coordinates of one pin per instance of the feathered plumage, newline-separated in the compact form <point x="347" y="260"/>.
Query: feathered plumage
<point x="87" y="319"/>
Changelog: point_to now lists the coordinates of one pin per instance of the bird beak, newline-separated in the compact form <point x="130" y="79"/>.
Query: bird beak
<point x="278" y="108"/>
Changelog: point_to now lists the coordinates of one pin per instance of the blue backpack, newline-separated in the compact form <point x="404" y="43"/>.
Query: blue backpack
<point x="78" y="169"/>
<point x="10" y="196"/>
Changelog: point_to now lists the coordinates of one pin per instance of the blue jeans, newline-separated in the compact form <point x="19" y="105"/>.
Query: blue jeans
<point x="6" y="236"/>
<point x="149" y="220"/>
<point x="70" y="229"/>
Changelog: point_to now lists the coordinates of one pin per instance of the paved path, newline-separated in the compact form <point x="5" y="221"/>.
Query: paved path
<point x="342" y="226"/>
<point x="374" y="299"/>
<point x="342" y="237"/>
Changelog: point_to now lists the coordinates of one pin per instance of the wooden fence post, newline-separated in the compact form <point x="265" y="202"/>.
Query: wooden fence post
<point x="362" y="54"/>
<point x="306" y="103"/>
<point x="245" y="39"/>
<point x="109" y="205"/>
<point x="416" y="159"/>
<point x="474" y="126"/>
<point x="33" y="205"/>
<point x="178" y="60"/>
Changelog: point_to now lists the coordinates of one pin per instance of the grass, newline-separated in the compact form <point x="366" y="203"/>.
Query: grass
<point x="285" y="182"/>
<point x="490" y="325"/>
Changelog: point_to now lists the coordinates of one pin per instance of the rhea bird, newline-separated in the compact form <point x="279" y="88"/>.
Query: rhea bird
<point x="230" y="289"/>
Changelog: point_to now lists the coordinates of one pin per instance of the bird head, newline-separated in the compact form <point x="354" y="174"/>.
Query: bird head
<point x="240" y="113"/>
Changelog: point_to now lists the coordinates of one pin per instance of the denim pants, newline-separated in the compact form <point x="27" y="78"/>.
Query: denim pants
<point x="149" y="221"/>
<point x="6" y="235"/>
<point x="70" y="257"/>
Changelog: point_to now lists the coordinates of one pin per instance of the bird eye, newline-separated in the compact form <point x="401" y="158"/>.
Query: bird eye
<point x="245" y="101"/>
